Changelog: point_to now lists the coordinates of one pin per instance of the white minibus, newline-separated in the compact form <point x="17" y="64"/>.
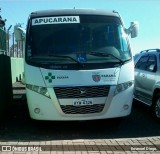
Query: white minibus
<point x="78" y="65"/>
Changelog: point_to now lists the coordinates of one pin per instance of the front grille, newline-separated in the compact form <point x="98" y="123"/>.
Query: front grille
<point x="81" y="91"/>
<point x="86" y="109"/>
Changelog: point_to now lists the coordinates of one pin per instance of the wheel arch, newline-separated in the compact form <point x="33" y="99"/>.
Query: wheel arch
<point x="156" y="94"/>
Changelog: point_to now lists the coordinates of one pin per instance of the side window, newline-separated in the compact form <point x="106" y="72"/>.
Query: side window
<point x="142" y="62"/>
<point x="151" y="64"/>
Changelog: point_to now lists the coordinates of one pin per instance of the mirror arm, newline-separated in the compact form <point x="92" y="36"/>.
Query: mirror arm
<point x="133" y="29"/>
<point x="128" y="30"/>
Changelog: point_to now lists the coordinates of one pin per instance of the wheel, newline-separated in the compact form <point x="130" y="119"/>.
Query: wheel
<point x="156" y="109"/>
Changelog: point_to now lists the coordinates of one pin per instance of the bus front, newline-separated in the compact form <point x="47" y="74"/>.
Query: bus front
<point x="78" y="66"/>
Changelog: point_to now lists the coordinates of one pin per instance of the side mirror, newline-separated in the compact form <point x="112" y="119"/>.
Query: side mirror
<point x="19" y="33"/>
<point x="133" y="29"/>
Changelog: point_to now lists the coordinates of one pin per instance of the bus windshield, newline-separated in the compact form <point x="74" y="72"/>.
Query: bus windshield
<point x="55" y="43"/>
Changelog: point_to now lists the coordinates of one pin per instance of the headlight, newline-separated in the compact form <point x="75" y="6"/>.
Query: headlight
<point x="123" y="86"/>
<point x="41" y="90"/>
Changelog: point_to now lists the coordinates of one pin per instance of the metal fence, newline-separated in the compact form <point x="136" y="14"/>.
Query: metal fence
<point x="9" y="46"/>
<point x="16" y="48"/>
<point x="3" y="41"/>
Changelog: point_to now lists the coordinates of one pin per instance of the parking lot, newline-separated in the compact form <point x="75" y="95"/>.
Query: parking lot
<point x="97" y="136"/>
<point x="19" y="126"/>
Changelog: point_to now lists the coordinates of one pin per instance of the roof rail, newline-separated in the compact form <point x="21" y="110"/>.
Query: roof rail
<point x="148" y="50"/>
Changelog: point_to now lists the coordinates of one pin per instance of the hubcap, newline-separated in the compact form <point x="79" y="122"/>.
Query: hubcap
<point x="157" y="108"/>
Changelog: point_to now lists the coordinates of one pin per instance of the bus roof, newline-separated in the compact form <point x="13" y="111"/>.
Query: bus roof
<point x="74" y="12"/>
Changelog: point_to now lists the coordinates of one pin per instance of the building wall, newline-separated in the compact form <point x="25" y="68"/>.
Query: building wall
<point x="17" y="68"/>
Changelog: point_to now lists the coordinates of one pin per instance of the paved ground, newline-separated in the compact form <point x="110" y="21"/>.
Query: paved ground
<point x="84" y="146"/>
<point x="138" y="133"/>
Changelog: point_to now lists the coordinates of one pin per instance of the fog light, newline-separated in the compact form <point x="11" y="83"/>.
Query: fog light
<point x="37" y="110"/>
<point x="125" y="107"/>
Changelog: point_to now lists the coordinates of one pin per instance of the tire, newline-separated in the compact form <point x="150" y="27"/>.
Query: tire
<point x="156" y="109"/>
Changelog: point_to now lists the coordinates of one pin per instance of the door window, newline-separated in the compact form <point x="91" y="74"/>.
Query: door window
<point x="147" y="63"/>
<point x="141" y="64"/>
<point x="151" y="64"/>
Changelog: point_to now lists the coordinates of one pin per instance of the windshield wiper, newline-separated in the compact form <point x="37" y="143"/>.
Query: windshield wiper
<point x="100" y="54"/>
<point x="62" y="56"/>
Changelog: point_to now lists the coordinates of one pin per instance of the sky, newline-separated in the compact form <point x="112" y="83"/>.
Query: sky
<point x="146" y="12"/>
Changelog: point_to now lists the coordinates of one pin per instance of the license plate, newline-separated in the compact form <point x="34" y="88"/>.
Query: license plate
<point x="83" y="101"/>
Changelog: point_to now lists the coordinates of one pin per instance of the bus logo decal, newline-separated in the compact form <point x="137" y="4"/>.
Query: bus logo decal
<point x="50" y="77"/>
<point x="96" y="77"/>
